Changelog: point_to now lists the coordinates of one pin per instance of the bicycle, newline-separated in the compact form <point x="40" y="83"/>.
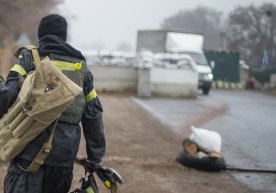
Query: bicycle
<point x="108" y="176"/>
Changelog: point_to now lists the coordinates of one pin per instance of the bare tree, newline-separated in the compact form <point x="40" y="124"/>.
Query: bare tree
<point x="22" y="15"/>
<point x="17" y="16"/>
<point x="251" y="32"/>
<point x="201" y="20"/>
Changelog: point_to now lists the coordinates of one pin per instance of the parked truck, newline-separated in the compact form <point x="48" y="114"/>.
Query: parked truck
<point x="168" y="41"/>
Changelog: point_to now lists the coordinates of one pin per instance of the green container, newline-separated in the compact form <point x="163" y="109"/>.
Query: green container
<point x="226" y="65"/>
<point x="263" y="74"/>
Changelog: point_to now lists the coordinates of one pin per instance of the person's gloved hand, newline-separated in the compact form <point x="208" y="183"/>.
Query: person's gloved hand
<point x="94" y="165"/>
<point x="25" y="60"/>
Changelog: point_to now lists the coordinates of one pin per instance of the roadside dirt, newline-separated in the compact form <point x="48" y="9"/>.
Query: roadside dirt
<point x="143" y="151"/>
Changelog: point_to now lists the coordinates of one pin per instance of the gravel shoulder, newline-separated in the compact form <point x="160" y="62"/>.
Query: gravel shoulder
<point x="143" y="151"/>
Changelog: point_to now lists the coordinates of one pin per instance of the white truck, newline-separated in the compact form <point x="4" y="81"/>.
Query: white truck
<point x="167" y="41"/>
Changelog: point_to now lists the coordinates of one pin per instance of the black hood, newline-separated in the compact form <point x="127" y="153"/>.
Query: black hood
<point x="53" y="24"/>
<point x="53" y="44"/>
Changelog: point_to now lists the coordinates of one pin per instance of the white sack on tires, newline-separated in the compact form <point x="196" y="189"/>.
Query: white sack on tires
<point x="206" y="140"/>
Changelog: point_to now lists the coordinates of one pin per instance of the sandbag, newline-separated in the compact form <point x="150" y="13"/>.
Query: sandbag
<point x="207" y="141"/>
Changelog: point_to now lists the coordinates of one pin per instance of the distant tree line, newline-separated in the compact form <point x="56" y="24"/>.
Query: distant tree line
<point x="250" y="30"/>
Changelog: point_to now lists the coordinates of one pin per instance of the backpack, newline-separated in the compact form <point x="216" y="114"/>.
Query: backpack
<point x="1" y="79"/>
<point x="45" y="94"/>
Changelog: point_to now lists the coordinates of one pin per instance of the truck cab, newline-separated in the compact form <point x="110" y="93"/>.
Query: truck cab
<point x="205" y="76"/>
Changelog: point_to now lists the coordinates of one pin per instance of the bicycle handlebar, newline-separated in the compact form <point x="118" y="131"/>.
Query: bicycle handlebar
<point x="108" y="176"/>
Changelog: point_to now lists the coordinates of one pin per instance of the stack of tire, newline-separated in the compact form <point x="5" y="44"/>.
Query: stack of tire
<point x="202" y="151"/>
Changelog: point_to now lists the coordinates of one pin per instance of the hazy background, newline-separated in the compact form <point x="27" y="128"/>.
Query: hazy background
<point x="100" y="24"/>
<point x="97" y="24"/>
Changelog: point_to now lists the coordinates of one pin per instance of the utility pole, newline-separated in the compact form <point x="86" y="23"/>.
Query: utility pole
<point x="223" y="41"/>
<point x="269" y="14"/>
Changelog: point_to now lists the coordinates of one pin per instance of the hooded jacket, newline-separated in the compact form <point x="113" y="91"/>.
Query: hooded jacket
<point x="85" y="109"/>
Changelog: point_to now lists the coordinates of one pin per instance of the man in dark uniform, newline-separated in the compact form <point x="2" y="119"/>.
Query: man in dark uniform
<point x="55" y="175"/>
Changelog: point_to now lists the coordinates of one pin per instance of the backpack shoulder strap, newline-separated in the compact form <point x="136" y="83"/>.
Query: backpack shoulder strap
<point x="28" y="47"/>
<point x="43" y="153"/>
<point x="33" y="50"/>
<point x="36" y="57"/>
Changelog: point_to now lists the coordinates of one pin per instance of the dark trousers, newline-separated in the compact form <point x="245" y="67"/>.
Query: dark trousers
<point x="48" y="179"/>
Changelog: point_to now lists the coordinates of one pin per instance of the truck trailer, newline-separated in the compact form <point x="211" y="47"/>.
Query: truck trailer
<point x="169" y="41"/>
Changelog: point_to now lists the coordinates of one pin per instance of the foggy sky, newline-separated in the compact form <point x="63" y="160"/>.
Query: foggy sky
<point x="112" y="22"/>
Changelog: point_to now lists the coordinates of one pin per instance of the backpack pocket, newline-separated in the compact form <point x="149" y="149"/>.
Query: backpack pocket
<point x="17" y="121"/>
<point x="23" y="127"/>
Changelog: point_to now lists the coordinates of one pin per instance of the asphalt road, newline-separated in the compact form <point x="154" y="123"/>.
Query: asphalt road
<point x="246" y="123"/>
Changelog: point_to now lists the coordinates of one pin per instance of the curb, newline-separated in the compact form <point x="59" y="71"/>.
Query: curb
<point x="219" y="84"/>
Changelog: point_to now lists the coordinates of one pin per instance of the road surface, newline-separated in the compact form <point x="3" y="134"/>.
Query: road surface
<point x="245" y="120"/>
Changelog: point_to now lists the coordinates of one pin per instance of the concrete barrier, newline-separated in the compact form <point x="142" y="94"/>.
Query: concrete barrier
<point x="273" y="80"/>
<point x="174" y="82"/>
<point x="146" y="82"/>
<point x="228" y="85"/>
<point x="113" y="78"/>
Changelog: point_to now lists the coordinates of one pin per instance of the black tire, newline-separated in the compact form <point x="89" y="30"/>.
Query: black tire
<point x="206" y="90"/>
<point x="204" y="164"/>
